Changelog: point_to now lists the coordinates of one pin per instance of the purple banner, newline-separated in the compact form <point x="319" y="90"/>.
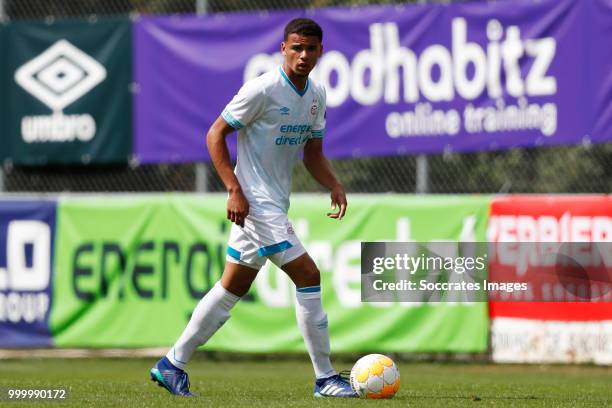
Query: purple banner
<point x="399" y="79"/>
<point x="27" y="231"/>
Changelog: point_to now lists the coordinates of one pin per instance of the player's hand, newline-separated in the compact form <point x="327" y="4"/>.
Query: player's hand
<point x="237" y="207"/>
<point x="338" y="200"/>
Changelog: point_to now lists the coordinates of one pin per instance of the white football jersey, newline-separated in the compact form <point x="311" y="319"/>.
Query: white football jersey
<point x="274" y="120"/>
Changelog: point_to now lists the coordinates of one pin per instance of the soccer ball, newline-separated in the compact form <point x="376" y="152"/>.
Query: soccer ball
<point x="375" y="376"/>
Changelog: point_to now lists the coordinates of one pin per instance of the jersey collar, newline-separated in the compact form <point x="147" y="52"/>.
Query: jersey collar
<point x="301" y="93"/>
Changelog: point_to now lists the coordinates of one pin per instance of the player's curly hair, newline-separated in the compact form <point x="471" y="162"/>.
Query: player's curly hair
<point x="304" y="27"/>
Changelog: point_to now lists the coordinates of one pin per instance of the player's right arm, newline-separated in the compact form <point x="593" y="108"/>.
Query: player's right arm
<point x="237" y="204"/>
<point x="242" y="110"/>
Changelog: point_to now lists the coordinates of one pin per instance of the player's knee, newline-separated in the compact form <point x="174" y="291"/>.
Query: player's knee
<point x="237" y="279"/>
<point x="238" y="287"/>
<point x="303" y="271"/>
<point x="310" y="275"/>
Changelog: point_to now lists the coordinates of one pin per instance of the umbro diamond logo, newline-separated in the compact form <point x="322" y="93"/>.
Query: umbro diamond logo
<point x="284" y="110"/>
<point x="60" y="75"/>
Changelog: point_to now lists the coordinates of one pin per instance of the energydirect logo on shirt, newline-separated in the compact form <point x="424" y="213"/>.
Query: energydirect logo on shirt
<point x="293" y="134"/>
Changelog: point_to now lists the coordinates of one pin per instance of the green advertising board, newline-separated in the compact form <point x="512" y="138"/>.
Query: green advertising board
<point x="66" y="85"/>
<point x="129" y="271"/>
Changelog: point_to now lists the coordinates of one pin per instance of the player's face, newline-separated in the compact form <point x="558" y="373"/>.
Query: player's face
<point x="301" y="53"/>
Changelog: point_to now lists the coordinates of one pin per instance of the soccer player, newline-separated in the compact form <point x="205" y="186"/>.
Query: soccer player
<point x="278" y="115"/>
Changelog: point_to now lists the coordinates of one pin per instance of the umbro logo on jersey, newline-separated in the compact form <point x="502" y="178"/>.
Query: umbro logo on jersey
<point x="284" y="110"/>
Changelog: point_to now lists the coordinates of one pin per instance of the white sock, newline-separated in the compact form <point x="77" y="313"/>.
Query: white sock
<point x="312" y="321"/>
<point x="208" y="316"/>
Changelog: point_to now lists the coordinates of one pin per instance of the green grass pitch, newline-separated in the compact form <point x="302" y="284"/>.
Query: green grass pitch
<point x="95" y="382"/>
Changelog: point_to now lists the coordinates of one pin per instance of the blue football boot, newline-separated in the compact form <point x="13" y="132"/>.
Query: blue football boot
<point x="175" y="380"/>
<point x="334" y="386"/>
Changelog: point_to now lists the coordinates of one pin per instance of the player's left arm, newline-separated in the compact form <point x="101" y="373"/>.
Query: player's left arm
<point x="320" y="168"/>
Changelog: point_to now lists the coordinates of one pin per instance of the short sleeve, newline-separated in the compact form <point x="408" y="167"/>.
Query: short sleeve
<point x="318" y="128"/>
<point x="245" y="106"/>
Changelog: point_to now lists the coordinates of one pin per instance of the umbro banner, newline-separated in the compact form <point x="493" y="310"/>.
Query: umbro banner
<point x="404" y="79"/>
<point x="3" y="101"/>
<point x="66" y="97"/>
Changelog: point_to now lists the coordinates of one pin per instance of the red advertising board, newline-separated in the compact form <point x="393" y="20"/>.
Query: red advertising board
<point x="559" y="324"/>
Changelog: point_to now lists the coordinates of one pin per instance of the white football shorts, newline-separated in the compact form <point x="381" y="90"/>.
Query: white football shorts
<point x="263" y="237"/>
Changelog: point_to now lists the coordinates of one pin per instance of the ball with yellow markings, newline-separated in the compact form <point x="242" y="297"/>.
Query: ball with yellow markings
<point x="375" y="376"/>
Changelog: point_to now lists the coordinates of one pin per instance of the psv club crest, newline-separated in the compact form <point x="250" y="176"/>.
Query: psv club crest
<point x="314" y="108"/>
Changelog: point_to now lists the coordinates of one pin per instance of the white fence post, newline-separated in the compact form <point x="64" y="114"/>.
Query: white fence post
<point x="422" y="175"/>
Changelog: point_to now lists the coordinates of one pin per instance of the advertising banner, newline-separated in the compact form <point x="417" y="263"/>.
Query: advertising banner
<point x="3" y="102"/>
<point x="573" y="324"/>
<point x="27" y="242"/>
<point x="67" y="92"/>
<point x="131" y="270"/>
<point x="400" y="79"/>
